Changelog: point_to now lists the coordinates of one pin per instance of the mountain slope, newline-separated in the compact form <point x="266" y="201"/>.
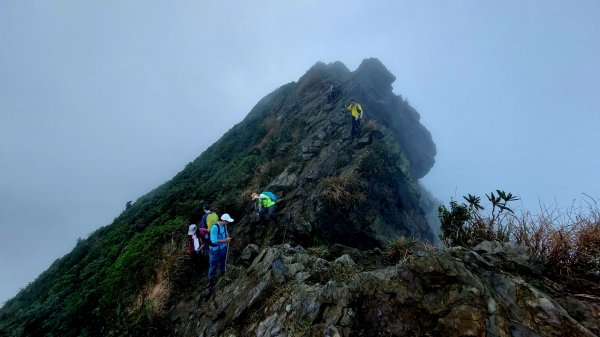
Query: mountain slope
<point x="295" y="142"/>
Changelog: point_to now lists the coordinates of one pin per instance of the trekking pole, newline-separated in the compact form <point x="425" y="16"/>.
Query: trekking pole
<point x="286" y="227"/>
<point x="226" y="256"/>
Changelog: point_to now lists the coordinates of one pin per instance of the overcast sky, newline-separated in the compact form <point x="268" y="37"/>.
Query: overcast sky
<point x="101" y="101"/>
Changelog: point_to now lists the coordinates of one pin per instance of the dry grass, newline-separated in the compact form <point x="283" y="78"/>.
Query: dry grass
<point x="273" y="127"/>
<point x="400" y="249"/>
<point x="246" y="194"/>
<point x="311" y="86"/>
<point x="153" y="299"/>
<point x="371" y="125"/>
<point x="344" y="190"/>
<point x="264" y="174"/>
<point x="566" y="242"/>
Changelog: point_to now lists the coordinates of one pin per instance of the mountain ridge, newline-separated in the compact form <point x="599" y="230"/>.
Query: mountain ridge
<point x="348" y="256"/>
<point x="295" y="141"/>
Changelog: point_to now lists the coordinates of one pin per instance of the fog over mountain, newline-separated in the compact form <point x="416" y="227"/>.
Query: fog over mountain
<point x="102" y="101"/>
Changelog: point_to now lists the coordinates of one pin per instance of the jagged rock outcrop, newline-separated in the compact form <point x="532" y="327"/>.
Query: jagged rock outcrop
<point x="288" y="291"/>
<point x="373" y="83"/>
<point x="365" y="188"/>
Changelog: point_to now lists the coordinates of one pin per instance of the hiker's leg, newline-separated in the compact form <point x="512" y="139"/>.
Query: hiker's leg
<point x="355" y="122"/>
<point x="197" y="259"/>
<point x="205" y="259"/>
<point x="194" y="261"/>
<point x="222" y="260"/>
<point x="214" y="261"/>
<point x="273" y="214"/>
<point x="262" y="215"/>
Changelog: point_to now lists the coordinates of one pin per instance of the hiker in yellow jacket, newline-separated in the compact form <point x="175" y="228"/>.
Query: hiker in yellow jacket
<point x="266" y="207"/>
<point x="357" y="114"/>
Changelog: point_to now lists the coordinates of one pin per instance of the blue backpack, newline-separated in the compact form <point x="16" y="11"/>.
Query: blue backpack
<point x="270" y="195"/>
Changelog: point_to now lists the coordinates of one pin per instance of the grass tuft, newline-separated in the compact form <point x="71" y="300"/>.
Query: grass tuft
<point x="344" y="190"/>
<point x="566" y="242"/>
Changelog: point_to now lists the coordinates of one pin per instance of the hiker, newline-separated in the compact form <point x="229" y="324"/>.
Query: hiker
<point x="265" y="202"/>
<point x="219" y="245"/>
<point x="197" y="242"/>
<point x="197" y="248"/>
<point x="331" y="93"/>
<point x="357" y="114"/>
<point x="193" y="241"/>
<point x="209" y="218"/>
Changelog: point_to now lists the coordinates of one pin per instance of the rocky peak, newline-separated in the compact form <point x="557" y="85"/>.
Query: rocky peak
<point x="365" y="188"/>
<point x="373" y="74"/>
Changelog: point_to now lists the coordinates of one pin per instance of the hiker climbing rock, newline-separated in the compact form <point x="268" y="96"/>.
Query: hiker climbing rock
<point x="209" y="218"/>
<point x="265" y="202"/>
<point x="219" y="246"/>
<point x="357" y="114"/>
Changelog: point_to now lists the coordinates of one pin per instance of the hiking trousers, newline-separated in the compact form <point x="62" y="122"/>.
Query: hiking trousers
<point x="217" y="259"/>
<point x="355" y="126"/>
<point x="267" y="215"/>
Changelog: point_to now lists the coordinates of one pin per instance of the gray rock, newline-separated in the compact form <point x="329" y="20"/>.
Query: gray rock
<point x="249" y="253"/>
<point x="285" y="179"/>
<point x="345" y="260"/>
<point x="448" y="296"/>
<point x="488" y="247"/>
<point x="270" y="327"/>
<point x="295" y="268"/>
<point x="280" y="271"/>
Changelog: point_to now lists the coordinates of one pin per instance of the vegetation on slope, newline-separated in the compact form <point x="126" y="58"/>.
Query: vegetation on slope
<point x="89" y="290"/>
<point x="565" y="243"/>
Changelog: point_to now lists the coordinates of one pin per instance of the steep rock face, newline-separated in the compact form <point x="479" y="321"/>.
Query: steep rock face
<point x="332" y="184"/>
<point x="372" y="82"/>
<point x="287" y="291"/>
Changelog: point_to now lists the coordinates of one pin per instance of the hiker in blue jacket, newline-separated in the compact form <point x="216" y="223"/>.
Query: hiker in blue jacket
<point x="219" y="244"/>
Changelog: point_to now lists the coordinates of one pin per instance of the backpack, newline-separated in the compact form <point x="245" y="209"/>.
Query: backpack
<point x="270" y="195"/>
<point x="204" y="241"/>
<point x="191" y="246"/>
<point x="211" y="219"/>
<point x="209" y="242"/>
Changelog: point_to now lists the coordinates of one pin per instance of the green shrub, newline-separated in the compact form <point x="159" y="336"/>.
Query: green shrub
<point x="564" y="242"/>
<point x="465" y="225"/>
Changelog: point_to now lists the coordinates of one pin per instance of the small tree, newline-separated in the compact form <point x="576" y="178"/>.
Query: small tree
<point x="465" y="225"/>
